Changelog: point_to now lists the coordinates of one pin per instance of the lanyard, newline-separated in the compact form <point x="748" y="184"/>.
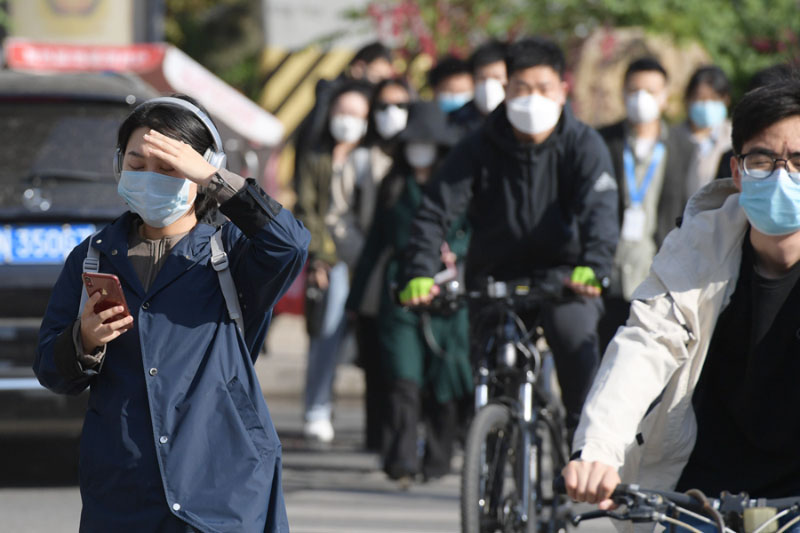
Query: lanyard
<point x="637" y="193"/>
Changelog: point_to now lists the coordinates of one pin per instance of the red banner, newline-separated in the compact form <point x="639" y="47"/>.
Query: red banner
<point x="26" y="55"/>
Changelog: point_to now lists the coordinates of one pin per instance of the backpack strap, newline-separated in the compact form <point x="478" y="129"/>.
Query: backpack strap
<point x="219" y="260"/>
<point x="91" y="263"/>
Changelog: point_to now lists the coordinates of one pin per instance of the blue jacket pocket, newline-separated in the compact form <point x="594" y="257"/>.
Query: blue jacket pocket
<point x="249" y="416"/>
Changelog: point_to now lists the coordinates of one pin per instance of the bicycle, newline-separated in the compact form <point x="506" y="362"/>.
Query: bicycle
<point x="516" y="417"/>
<point x="730" y="513"/>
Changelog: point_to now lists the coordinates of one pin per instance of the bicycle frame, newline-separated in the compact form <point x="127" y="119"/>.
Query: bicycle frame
<point x="507" y="372"/>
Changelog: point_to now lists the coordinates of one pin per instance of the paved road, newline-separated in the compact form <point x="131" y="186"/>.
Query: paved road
<point x="341" y="489"/>
<point x="335" y="489"/>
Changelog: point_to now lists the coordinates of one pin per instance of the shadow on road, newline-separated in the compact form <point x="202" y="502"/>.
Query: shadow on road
<point x="38" y="462"/>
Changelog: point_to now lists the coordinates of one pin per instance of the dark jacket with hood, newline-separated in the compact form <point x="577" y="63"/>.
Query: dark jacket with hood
<point x="466" y="119"/>
<point x="532" y="208"/>
<point x="177" y="425"/>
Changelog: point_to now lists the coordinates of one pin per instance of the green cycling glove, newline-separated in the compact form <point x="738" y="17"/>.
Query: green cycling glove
<point x="416" y="288"/>
<point x="585" y="276"/>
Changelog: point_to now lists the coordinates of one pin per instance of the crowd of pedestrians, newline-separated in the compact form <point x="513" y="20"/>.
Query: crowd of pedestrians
<point x="490" y="174"/>
<point x="686" y="280"/>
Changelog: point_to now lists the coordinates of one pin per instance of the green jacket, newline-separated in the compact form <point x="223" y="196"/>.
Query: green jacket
<point x="313" y="202"/>
<point x="406" y="354"/>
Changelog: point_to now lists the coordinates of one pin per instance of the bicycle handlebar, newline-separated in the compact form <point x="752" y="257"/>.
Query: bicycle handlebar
<point x="625" y="491"/>
<point x="645" y="504"/>
<point x="517" y="292"/>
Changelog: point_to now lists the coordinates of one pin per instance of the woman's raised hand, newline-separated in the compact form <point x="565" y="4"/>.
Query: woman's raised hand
<point x="180" y="156"/>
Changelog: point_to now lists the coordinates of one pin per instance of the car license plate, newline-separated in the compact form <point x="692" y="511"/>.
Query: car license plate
<point x="40" y="243"/>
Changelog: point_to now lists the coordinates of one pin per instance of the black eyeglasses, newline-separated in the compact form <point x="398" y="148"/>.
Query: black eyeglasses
<point x="382" y="106"/>
<point x="759" y="165"/>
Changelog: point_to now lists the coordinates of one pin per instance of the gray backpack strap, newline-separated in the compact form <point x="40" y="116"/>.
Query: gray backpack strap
<point x="90" y="264"/>
<point x="219" y="260"/>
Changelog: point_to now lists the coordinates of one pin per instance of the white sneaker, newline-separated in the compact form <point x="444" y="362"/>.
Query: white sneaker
<point x="320" y="430"/>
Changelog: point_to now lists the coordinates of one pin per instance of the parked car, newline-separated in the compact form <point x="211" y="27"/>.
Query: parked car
<point x="57" y="187"/>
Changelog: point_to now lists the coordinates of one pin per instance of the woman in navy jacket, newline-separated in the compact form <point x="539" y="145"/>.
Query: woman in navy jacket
<point x="177" y="436"/>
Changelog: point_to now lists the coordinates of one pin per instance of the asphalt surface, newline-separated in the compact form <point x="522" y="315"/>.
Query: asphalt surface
<point x="329" y="489"/>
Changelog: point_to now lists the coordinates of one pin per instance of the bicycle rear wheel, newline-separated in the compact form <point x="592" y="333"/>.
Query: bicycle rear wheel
<point x="489" y="479"/>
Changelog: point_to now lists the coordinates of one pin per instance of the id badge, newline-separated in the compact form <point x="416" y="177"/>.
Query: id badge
<point x="633" y="223"/>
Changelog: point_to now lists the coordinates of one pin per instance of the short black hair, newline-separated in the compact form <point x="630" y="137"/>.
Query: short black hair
<point x="645" y="64"/>
<point x="371" y="52"/>
<point x="768" y="76"/>
<point x="362" y="87"/>
<point x="761" y="108"/>
<point x="180" y="124"/>
<point x="392" y="82"/>
<point x="446" y="67"/>
<point x="489" y="52"/>
<point x="710" y="75"/>
<point x="534" y="52"/>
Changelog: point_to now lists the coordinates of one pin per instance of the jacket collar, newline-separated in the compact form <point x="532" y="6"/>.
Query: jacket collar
<point x="112" y="243"/>
<point x="706" y="249"/>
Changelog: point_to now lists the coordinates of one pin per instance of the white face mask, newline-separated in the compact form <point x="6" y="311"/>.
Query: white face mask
<point x="488" y="95"/>
<point x="642" y="107"/>
<point x="347" y="128"/>
<point x="420" y="154"/>
<point x="533" y="114"/>
<point x="391" y="121"/>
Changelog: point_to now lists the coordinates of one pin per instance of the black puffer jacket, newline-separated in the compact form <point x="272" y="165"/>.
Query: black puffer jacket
<point x="531" y="207"/>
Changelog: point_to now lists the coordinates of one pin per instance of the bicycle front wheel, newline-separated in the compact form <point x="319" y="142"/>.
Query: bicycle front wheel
<point x="489" y="479"/>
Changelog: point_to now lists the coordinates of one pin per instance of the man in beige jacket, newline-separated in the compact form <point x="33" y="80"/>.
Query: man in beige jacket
<point x="698" y="390"/>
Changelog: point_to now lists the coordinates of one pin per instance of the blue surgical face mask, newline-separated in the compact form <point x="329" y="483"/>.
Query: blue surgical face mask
<point x="449" y="102"/>
<point x="160" y="200"/>
<point x="707" y="113"/>
<point x="772" y="204"/>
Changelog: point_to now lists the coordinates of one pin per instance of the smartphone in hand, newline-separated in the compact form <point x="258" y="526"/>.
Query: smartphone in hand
<point x="111" y="294"/>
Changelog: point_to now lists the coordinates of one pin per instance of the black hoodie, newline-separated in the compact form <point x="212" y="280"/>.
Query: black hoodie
<point x="532" y="207"/>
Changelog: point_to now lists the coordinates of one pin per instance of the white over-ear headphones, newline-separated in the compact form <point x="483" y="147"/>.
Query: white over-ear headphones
<point x="214" y="154"/>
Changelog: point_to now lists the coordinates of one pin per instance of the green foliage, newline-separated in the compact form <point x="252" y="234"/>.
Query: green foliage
<point x="742" y="36"/>
<point x="225" y="36"/>
<point x="5" y="19"/>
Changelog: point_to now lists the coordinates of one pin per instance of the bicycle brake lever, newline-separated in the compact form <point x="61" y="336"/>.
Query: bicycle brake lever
<point x="591" y="515"/>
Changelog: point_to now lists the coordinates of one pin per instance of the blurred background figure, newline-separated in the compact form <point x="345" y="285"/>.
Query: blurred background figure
<point x="326" y="177"/>
<point x="707" y="126"/>
<point x="490" y="78"/>
<point x="425" y="356"/>
<point x="388" y="117"/>
<point x="371" y="64"/>
<point x="651" y="162"/>
<point x="451" y="81"/>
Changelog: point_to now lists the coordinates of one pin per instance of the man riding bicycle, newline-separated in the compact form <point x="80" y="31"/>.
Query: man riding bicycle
<point x="699" y="389"/>
<point x="538" y="189"/>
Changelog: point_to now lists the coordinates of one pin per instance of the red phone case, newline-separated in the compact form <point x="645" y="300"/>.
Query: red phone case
<point x="111" y="293"/>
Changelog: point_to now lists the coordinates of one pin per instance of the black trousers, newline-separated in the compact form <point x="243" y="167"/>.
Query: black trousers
<point x="570" y="328"/>
<point x="376" y="393"/>
<point x="407" y="407"/>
